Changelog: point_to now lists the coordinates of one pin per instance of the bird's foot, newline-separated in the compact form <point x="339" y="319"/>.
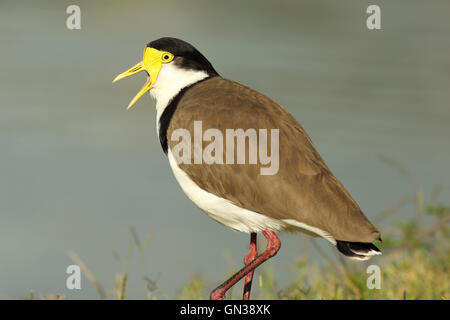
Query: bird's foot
<point x="217" y="294"/>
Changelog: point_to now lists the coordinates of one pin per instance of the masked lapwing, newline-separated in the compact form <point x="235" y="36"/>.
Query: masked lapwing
<point x="298" y="193"/>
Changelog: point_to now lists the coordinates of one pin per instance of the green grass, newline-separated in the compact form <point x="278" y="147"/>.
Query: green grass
<point x="414" y="265"/>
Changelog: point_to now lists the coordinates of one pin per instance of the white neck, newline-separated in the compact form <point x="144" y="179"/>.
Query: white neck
<point x="171" y="79"/>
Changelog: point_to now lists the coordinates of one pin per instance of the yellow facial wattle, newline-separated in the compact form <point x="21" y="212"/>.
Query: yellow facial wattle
<point x="151" y="63"/>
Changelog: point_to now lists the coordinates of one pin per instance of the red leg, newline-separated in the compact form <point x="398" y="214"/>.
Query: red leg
<point x="251" y="255"/>
<point x="273" y="245"/>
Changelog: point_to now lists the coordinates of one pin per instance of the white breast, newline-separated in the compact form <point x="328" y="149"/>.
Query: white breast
<point x="171" y="79"/>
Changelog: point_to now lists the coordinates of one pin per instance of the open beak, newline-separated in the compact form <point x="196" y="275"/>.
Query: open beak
<point x="151" y="63"/>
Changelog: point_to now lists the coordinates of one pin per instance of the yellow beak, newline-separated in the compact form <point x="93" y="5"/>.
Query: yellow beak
<point x="151" y="63"/>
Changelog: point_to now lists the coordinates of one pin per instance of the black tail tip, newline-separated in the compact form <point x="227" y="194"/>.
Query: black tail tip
<point x="357" y="250"/>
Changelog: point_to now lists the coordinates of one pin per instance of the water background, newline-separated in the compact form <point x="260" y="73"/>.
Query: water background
<point x="77" y="170"/>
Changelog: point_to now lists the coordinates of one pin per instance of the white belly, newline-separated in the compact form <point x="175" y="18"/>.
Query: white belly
<point x="232" y="216"/>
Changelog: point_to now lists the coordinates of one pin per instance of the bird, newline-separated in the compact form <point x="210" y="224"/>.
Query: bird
<point x="302" y="194"/>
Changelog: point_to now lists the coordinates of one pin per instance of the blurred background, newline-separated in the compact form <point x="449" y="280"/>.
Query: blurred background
<point x="82" y="178"/>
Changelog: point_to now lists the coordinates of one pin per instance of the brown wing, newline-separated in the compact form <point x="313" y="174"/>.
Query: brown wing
<point x="304" y="188"/>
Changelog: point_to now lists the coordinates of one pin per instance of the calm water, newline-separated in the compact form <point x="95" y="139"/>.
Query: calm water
<point x="77" y="170"/>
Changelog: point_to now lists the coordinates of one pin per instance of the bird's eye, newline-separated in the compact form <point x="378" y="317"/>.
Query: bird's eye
<point x="167" y="57"/>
